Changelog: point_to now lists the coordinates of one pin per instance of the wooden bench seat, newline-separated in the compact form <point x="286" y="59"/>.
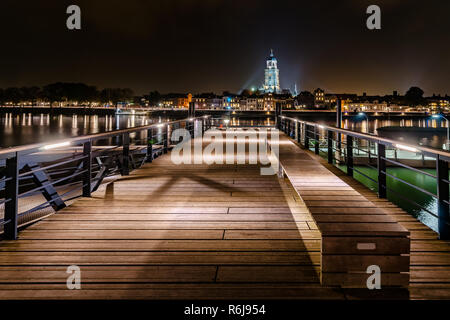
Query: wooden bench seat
<point x="355" y="233"/>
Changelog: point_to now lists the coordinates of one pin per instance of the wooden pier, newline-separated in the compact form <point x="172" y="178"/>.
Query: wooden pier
<point x="220" y="231"/>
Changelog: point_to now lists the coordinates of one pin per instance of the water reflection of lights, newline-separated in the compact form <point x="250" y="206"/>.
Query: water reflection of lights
<point x="74" y="121"/>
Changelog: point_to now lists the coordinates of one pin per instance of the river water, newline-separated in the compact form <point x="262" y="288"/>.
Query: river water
<point x="21" y="129"/>
<point x="27" y="128"/>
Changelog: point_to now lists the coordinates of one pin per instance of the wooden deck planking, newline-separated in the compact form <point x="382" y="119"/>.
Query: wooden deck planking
<point x="181" y="232"/>
<point x="166" y="227"/>
<point x="429" y="257"/>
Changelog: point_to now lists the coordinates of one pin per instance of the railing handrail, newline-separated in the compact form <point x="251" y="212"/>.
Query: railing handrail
<point x="30" y="148"/>
<point x="373" y="138"/>
<point x="304" y="135"/>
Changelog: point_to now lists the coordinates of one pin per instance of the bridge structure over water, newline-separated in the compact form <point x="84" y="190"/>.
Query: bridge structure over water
<point x="139" y="225"/>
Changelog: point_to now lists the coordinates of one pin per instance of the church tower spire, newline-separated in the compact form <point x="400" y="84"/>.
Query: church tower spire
<point x="272" y="75"/>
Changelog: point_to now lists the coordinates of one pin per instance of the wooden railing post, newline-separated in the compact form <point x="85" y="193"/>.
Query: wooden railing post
<point x="330" y="146"/>
<point x="381" y="164"/>
<point x="350" y="156"/>
<point x="299" y="132"/>
<point x="317" y="140"/>
<point x="126" y="154"/>
<point x="443" y="198"/>
<point x="87" y="168"/>
<point x="11" y="194"/>
<point x="150" y="145"/>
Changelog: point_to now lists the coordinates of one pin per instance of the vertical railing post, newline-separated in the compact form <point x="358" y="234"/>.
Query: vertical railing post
<point x="317" y="140"/>
<point x="339" y="124"/>
<point x="87" y="168"/>
<point x="306" y="137"/>
<point x="381" y="164"/>
<point x="191" y="111"/>
<point x="126" y="154"/>
<point x="166" y="140"/>
<point x="11" y="197"/>
<point x="289" y="128"/>
<point x="150" y="141"/>
<point x="299" y="132"/>
<point x="349" y="156"/>
<point x="203" y="126"/>
<point x="278" y="115"/>
<point x="443" y="198"/>
<point x="303" y="133"/>
<point x="330" y="146"/>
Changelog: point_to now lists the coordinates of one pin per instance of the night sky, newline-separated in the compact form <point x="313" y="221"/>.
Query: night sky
<point x="216" y="45"/>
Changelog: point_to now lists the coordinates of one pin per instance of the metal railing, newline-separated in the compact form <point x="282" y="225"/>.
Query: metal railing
<point x="39" y="179"/>
<point x="350" y="150"/>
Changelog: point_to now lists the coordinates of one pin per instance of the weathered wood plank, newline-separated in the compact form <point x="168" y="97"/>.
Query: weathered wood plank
<point x="160" y="258"/>
<point x="160" y="245"/>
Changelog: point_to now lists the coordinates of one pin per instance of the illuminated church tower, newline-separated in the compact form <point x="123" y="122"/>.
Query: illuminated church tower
<point x="272" y="76"/>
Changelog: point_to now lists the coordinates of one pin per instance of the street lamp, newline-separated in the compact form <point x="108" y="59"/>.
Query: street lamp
<point x="362" y="114"/>
<point x="439" y="116"/>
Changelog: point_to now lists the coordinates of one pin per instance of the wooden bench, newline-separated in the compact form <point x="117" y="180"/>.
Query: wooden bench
<point x="355" y="233"/>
